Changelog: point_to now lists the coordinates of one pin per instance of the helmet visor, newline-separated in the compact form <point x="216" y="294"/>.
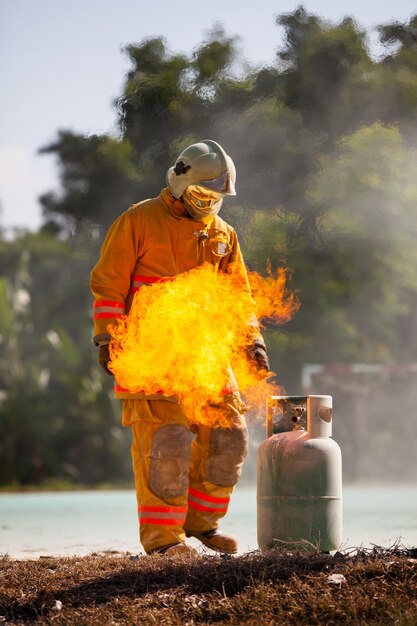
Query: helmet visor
<point x="219" y="184"/>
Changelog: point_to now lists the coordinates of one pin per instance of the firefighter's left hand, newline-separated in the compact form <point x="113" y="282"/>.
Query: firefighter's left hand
<point x="104" y="358"/>
<point x="257" y="355"/>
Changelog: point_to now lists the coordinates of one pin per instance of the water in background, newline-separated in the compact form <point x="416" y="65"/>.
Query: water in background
<point x="81" y="522"/>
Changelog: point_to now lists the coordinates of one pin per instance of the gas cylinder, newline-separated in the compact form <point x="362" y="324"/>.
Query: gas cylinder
<point x="299" y="476"/>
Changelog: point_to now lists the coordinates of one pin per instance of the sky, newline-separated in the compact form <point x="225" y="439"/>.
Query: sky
<point x="62" y="66"/>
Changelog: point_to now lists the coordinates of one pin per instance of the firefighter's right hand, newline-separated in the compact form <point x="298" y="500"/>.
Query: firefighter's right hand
<point x="257" y="354"/>
<point x="104" y="358"/>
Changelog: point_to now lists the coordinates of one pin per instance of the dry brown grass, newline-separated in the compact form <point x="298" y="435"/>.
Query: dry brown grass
<point x="275" y="587"/>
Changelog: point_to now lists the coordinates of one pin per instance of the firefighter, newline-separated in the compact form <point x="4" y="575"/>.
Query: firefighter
<point x="183" y="487"/>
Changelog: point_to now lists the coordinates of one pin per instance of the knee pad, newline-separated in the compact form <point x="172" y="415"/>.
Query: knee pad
<point x="170" y="460"/>
<point x="227" y="450"/>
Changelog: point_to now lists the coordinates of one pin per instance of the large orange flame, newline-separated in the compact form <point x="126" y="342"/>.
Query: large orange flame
<point x="183" y="336"/>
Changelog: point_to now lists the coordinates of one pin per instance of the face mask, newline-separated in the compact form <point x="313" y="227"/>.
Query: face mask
<point x="201" y="202"/>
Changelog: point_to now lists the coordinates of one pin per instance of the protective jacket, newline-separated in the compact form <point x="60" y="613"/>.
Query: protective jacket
<point x="152" y="241"/>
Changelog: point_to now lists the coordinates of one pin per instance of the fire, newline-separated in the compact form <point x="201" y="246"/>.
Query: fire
<point x="183" y="336"/>
<point x="273" y="301"/>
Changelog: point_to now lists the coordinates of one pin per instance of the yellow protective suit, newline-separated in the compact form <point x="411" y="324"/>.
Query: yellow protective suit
<point x="181" y="487"/>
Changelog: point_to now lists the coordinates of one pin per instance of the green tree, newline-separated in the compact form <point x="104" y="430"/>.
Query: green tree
<point x="57" y="418"/>
<point x="98" y="178"/>
<point x="367" y="194"/>
<point x="319" y="60"/>
<point x="399" y="72"/>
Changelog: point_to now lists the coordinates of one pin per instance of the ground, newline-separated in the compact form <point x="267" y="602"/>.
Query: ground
<point x="373" y="587"/>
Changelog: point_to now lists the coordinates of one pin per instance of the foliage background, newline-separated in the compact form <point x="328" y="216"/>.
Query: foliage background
<point x="324" y="141"/>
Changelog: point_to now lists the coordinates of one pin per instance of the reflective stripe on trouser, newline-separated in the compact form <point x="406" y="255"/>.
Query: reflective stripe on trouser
<point x="217" y="456"/>
<point x="175" y="490"/>
<point x="164" y="515"/>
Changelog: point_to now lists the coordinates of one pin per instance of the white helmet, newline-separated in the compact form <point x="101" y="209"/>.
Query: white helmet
<point x="205" y="164"/>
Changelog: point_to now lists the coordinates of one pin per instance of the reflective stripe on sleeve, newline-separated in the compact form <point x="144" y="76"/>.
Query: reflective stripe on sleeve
<point x="120" y="389"/>
<point x="203" y="502"/>
<point x="138" y="281"/>
<point x="108" y="309"/>
<point x="165" y="515"/>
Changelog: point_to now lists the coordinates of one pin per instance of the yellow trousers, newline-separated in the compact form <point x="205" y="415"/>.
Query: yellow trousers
<point x="182" y="485"/>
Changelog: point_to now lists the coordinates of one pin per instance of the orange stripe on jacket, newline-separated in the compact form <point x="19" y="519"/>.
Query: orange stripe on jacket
<point x="138" y="281"/>
<point x="119" y="389"/>
<point x="109" y="314"/>
<point x="108" y="309"/>
<point x="116" y="303"/>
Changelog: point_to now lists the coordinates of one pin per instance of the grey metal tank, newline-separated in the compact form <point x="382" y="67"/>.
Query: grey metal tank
<point x="299" y="476"/>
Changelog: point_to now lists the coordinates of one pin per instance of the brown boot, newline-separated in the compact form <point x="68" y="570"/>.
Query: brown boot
<point x="176" y="549"/>
<point x="216" y="540"/>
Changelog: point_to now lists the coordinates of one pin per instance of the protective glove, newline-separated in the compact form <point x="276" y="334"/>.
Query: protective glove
<point x="104" y="357"/>
<point x="257" y="355"/>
